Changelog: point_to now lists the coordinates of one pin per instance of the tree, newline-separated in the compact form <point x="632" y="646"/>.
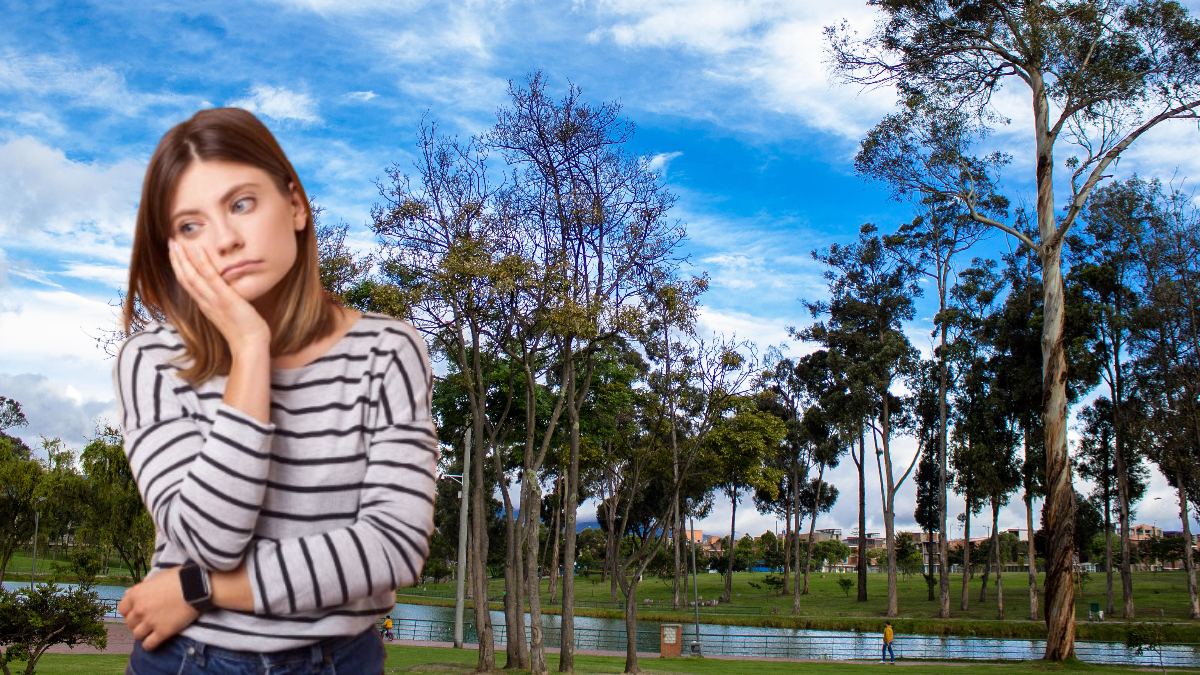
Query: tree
<point x="33" y="620"/>
<point x="871" y="295"/>
<point x="1107" y="248"/>
<point x="11" y="415"/>
<point x="115" y="513"/>
<point x="1095" y="461"/>
<point x="603" y="214"/>
<point x="740" y="444"/>
<point x="20" y="476"/>
<point x="927" y="411"/>
<point x="1104" y="74"/>
<point x="930" y="244"/>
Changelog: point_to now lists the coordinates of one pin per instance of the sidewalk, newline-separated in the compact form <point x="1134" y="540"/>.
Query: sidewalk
<point x="120" y="641"/>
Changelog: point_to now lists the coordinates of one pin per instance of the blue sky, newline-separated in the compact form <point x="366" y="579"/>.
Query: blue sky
<point x="731" y="99"/>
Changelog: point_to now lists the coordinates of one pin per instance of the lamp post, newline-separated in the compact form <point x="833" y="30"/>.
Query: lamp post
<point x="36" y="514"/>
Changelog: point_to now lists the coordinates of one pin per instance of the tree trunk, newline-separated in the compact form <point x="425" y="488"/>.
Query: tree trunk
<point x="1030" y="557"/>
<point x="966" y="590"/>
<point x="732" y="544"/>
<point x="1108" y="556"/>
<point x="516" y="649"/>
<point x="889" y="511"/>
<point x="787" y="532"/>
<point x="536" y="656"/>
<point x="1123" y="506"/>
<point x="1060" y="494"/>
<point x="796" y="537"/>
<point x="1188" y="560"/>
<point x="862" y="516"/>
<point x="929" y="580"/>
<point x="812" y="526"/>
<point x="631" y="610"/>
<point x="566" y="657"/>
<point x="479" y="537"/>
<point x="944" y="531"/>
<point x="554" y="549"/>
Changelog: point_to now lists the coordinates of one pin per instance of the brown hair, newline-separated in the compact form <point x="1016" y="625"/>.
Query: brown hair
<point x="304" y="312"/>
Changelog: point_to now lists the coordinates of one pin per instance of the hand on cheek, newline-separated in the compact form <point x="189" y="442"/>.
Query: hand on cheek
<point x="155" y="609"/>
<point x="237" y="320"/>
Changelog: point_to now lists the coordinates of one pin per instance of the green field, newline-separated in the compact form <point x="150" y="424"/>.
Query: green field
<point x="21" y="564"/>
<point x="1158" y="596"/>
<point x="441" y="660"/>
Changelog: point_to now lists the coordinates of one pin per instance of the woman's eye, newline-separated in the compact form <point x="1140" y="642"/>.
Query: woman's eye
<point x="186" y="228"/>
<point x="243" y="205"/>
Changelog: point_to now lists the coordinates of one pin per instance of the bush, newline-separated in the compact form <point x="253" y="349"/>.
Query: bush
<point x="846" y="583"/>
<point x="33" y="620"/>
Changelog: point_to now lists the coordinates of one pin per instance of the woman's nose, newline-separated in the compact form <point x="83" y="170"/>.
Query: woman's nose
<point x="228" y="238"/>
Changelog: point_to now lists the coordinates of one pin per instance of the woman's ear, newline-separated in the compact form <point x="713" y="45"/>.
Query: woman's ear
<point x="299" y="209"/>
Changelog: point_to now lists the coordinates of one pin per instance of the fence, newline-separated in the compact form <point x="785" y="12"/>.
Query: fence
<point x="818" y="645"/>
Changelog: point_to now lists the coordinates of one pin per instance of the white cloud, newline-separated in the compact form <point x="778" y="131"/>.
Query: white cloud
<point x="34" y="275"/>
<point x="771" y="51"/>
<point x="113" y="276"/>
<point x="661" y="161"/>
<point x="57" y="204"/>
<point x="280" y="103"/>
<point x="46" y="77"/>
<point x="362" y="96"/>
<point x="52" y="333"/>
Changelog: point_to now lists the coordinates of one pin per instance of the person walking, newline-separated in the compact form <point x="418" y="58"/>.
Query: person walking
<point x="888" y="636"/>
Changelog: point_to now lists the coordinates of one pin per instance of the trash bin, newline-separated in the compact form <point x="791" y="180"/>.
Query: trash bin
<point x="671" y="642"/>
<point x="1094" y="612"/>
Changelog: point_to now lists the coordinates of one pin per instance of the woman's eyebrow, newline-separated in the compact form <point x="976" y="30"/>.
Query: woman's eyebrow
<point x="224" y="198"/>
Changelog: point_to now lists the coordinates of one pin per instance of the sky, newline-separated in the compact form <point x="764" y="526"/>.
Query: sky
<point x="732" y="102"/>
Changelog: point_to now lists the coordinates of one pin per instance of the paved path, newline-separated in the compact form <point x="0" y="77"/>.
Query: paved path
<point x="120" y="641"/>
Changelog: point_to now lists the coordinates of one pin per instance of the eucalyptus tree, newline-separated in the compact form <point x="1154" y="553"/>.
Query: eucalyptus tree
<point x="1102" y="73"/>
<point x="445" y="249"/>
<point x="1105" y="272"/>
<point x="604" y="215"/>
<point x="1167" y="343"/>
<point x="931" y="243"/>
<point x="928" y="414"/>
<point x="871" y="296"/>
<point x="973" y="298"/>
<point x="1095" y="460"/>
<point x="826" y="426"/>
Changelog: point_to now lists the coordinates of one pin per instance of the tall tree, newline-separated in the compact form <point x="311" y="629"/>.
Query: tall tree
<point x="1106" y="248"/>
<point x="1102" y="73"/>
<point x="605" y="214"/>
<point x="871" y="295"/>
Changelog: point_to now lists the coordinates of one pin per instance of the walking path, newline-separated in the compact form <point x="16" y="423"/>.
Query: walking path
<point x="120" y="641"/>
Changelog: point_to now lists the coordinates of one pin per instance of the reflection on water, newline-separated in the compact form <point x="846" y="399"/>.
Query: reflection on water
<point x="750" y="641"/>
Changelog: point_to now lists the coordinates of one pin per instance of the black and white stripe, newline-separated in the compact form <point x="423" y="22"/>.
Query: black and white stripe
<point x="329" y="507"/>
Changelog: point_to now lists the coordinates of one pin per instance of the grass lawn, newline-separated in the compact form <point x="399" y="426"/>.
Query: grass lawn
<point x="1158" y="596"/>
<point x="21" y="563"/>
<point x="440" y="660"/>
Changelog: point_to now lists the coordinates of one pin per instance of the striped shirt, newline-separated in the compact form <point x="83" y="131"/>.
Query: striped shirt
<point x="330" y="506"/>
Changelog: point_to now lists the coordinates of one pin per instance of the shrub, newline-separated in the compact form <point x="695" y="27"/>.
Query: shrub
<point x="33" y="620"/>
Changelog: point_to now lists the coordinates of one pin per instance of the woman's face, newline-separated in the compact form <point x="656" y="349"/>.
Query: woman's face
<point x="236" y="214"/>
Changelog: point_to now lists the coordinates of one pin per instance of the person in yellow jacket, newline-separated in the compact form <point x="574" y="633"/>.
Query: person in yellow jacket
<point x="888" y="636"/>
<point x="387" y="627"/>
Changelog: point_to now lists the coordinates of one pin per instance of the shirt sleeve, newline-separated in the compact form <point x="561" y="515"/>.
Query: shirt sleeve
<point x="387" y="545"/>
<point x="204" y="494"/>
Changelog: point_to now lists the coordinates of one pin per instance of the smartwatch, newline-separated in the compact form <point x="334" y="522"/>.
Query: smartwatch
<point x="196" y="589"/>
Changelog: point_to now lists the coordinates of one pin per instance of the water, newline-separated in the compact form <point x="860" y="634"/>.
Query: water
<point x="425" y="622"/>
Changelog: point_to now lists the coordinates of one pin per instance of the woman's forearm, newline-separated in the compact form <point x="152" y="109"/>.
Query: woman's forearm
<point x="249" y="386"/>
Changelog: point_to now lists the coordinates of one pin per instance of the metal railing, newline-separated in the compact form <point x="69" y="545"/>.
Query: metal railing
<point x="819" y="645"/>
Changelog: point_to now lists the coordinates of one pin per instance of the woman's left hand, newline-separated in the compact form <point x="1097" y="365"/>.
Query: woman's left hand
<point x="155" y="609"/>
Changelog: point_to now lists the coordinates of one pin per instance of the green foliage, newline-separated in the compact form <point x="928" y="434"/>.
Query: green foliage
<point x="32" y="621"/>
<point x="20" y="478"/>
<point x="845" y="583"/>
<point x="115" y="513"/>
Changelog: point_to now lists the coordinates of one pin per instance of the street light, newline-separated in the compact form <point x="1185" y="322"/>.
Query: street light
<point x="36" y="513"/>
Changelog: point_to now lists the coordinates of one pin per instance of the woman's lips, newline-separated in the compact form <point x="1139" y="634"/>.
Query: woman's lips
<point x="238" y="269"/>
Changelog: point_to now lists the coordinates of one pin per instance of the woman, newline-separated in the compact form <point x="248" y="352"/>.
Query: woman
<point x="282" y="443"/>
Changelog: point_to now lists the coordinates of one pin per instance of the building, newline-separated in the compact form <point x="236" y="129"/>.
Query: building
<point x="1142" y="532"/>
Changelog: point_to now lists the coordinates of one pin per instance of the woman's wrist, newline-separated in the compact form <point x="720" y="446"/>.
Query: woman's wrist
<point x="231" y="590"/>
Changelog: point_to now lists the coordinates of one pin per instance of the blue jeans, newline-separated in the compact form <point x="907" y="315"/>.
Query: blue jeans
<point x="887" y="648"/>
<point x="350" y="655"/>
